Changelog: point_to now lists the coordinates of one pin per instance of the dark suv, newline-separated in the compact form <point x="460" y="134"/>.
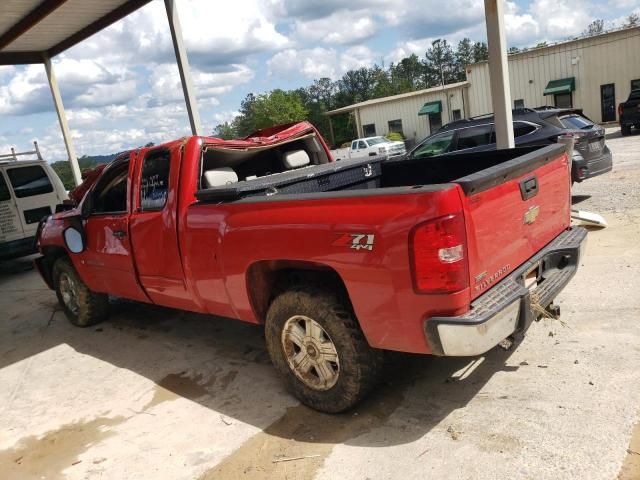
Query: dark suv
<point x="539" y="126"/>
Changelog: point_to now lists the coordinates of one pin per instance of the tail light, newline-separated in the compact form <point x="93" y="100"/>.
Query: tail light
<point x="620" y="110"/>
<point x="438" y="250"/>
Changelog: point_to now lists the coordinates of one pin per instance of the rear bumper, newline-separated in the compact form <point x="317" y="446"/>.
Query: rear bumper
<point x="17" y="248"/>
<point x="506" y="308"/>
<point x="592" y="167"/>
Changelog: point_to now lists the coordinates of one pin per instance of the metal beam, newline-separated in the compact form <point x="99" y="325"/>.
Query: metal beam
<point x="62" y="118"/>
<point x="100" y="24"/>
<point x="183" y="67"/>
<point x="20" y="58"/>
<point x="32" y="18"/>
<point x="499" y="73"/>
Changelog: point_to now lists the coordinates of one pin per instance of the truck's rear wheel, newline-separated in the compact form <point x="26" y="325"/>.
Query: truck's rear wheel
<point x="82" y="307"/>
<point x="625" y="130"/>
<point x="315" y="341"/>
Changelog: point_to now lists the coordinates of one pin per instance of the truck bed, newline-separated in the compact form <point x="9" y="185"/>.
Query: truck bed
<point x="474" y="172"/>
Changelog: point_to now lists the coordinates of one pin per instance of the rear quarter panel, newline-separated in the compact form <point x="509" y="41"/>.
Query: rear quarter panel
<point x="223" y="241"/>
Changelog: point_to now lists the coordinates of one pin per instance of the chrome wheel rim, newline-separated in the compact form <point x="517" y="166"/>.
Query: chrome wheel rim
<point x="310" y="352"/>
<point x="69" y="292"/>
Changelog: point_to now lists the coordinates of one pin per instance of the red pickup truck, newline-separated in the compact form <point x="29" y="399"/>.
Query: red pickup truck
<point x="339" y="260"/>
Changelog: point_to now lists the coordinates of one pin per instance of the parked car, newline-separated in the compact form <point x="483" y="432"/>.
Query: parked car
<point x="338" y="260"/>
<point x="29" y="191"/>
<point x="541" y="126"/>
<point x="370" y="147"/>
<point x="629" y="113"/>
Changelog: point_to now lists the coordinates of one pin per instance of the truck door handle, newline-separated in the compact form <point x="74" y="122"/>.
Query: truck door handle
<point x="529" y="187"/>
<point x="119" y="234"/>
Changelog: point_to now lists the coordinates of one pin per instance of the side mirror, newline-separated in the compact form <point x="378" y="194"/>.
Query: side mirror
<point x="74" y="240"/>
<point x="87" y="206"/>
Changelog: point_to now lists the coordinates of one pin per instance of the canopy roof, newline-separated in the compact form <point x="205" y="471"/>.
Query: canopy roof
<point x="431" y="107"/>
<point x="31" y="29"/>
<point x="564" y="85"/>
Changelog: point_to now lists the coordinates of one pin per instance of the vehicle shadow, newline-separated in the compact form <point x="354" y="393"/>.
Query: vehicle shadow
<point x="618" y="134"/>
<point x="223" y="365"/>
<point x="575" y="199"/>
<point x="18" y="265"/>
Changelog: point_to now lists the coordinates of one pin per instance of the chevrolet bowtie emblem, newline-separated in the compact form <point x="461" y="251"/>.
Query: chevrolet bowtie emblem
<point x="531" y="214"/>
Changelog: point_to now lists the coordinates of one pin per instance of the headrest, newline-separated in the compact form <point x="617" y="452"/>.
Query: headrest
<point x="218" y="177"/>
<point x="296" y="159"/>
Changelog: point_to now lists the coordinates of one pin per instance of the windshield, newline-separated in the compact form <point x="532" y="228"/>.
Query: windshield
<point x="376" y="140"/>
<point x="434" y="146"/>
<point x="576" y="122"/>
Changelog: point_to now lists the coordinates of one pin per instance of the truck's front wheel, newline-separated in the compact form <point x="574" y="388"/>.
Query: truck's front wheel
<point x="82" y="307"/>
<point x="316" y="343"/>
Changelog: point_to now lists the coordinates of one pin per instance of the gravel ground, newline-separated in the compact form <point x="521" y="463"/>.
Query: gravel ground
<point x="155" y="393"/>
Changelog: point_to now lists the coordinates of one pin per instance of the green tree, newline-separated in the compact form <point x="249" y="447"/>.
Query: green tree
<point x="267" y="109"/>
<point x="632" y="20"/>
<point x="514" y="50"/>
<point x="440" y="64"/>
<point x="407" y="75"/>
<point x="63" y="169"/>
<point x="595" y="27"/>
<point x="464" y="56"/>
<point x="480" y="52"/>
<point x="225" y="130"/>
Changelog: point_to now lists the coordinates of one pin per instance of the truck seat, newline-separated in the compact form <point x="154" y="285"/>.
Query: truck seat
<point x="295" y="159"/>
<point x="219" y="177"/>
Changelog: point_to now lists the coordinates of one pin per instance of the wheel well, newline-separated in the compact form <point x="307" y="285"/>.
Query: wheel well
<point x="50" y="255"/>
<point x="267" y="279"/>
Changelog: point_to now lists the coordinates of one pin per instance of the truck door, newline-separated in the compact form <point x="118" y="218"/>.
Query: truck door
<point x="106" y="264"/>
<point x="154" y="233"/>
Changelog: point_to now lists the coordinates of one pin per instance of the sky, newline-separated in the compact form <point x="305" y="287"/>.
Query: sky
<point x="121" y="87"/>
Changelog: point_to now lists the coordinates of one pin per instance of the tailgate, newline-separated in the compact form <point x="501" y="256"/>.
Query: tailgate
<point x="512" y="211"/>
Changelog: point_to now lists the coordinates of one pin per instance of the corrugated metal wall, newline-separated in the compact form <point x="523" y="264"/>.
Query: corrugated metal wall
<point x="414" y="127"/>
<point x="611" y="58"/>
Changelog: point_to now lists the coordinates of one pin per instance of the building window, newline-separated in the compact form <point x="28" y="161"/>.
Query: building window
<point x="635" y="84"/>
<point x="457" y="115"/>
<point x="518" y="104"/>
<point x="563" y="100"/>
<point x="395" y="126"/>
<point x="435" y="122"/>
<point x="369" y="130"/>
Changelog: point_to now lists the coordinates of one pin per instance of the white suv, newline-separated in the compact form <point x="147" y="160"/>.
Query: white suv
<point x="29" y="191"/>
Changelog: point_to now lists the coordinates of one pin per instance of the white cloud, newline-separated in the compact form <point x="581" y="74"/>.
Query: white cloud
<point x="341" y="27"/>
<point x="319" y="62"/>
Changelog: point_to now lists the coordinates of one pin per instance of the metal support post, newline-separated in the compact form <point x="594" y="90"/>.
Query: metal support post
<point x="499" y="73"/>
<point x="62" y="118"/>
<point x="183" y="67"/>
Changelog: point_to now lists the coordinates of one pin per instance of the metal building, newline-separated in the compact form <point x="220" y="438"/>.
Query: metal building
<point x="414" y="114"/>
<point x="593" y="73"/>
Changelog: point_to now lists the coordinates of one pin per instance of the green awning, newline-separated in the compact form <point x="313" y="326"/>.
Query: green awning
<point x="431" y="107"/>
<point x="564" y="85"/>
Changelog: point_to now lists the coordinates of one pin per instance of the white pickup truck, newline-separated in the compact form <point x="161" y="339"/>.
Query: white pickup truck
<point x="370" y="147"/>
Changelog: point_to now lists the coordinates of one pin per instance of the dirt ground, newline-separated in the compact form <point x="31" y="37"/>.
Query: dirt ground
<point x="156" y="393"/>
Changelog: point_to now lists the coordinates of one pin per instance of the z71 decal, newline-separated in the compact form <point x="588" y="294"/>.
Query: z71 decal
<point x="357" y="241"/>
